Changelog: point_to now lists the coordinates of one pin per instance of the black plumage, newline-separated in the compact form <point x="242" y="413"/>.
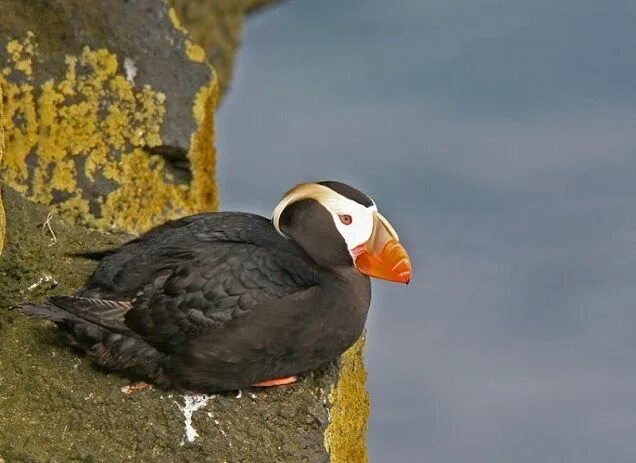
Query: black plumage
<point x="223" y="301"/>
<point x="215" y="301"/>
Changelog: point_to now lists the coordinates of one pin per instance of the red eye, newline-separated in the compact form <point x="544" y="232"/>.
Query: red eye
<point x="345" y="219"/>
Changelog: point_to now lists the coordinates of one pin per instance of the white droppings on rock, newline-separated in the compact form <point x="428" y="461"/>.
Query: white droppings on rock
<point x="130" y="69"/>
<point x="192" y="403"/>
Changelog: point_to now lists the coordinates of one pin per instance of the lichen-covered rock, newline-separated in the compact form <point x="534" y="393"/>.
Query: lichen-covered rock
<point x="108" y="111"/>
<point x="55" y="406"/>
<point x="2" y="219"/>
<point x="345" y="437"/>
<point x="109" y="119"/>
<point x="217" y="26"/>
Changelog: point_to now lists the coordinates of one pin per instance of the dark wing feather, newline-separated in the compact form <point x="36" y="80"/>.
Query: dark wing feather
<point x="213" y="289"/>
<point x="200" y="272"/>
<point x="123" y="272"/>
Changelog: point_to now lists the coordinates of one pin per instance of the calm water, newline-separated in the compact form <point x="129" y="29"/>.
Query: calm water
<point x="500" y="140"/>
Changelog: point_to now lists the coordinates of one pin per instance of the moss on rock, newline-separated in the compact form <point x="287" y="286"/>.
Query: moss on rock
<point x="109" y="119"/>
<point x="56" y="406"/>
<point x="2" y="218"/>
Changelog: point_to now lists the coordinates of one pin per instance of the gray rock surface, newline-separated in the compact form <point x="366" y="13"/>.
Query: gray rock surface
<point x="101" y="95"/>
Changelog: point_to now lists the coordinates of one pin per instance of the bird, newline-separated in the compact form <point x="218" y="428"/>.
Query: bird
<point x="221" y="301"/>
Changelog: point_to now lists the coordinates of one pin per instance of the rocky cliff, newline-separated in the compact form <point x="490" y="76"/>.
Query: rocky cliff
<point x="108" y="128"/>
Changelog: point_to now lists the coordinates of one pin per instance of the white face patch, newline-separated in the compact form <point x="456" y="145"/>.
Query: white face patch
<point x="359" y="230"/>
<point x="355" y="233"/>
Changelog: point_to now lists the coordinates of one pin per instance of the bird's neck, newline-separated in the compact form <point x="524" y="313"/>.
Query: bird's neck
<point x="350" y="287"/>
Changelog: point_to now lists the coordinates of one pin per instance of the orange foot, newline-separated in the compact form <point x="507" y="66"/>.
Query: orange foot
<point x="276" y="382"/>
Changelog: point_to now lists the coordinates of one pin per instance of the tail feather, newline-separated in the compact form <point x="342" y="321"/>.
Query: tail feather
<point x="47" y="311"/>
<point x="104" y="313"/>
<point x="74" y="330"/>
<point x="95" y="327"/>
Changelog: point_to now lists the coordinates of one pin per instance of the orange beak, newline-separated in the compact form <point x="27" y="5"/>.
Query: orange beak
<point x="382" y="256"/>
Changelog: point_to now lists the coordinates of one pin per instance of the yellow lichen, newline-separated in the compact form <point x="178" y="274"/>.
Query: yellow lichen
<point x="195" y="52"/>
<point x="21" y="53"/>
<point x="202" y="152"/>
<point x="141" y="201"/>
<point x="172" y="14"/>
<point x="20" y="121"/>
<point x="345" y="438"/>
<point x="92" y="125"/>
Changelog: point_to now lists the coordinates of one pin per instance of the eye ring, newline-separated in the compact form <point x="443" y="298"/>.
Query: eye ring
<point x="346" y="219"/>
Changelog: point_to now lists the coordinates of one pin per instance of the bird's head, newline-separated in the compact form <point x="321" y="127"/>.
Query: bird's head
<point x="337" y="225"/>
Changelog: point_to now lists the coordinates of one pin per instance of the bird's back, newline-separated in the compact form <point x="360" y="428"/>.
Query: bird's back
<point x="124" y="271"/>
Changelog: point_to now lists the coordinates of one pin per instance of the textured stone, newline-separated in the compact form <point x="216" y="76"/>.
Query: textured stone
<point x="217" y="26"/>
<point x="109" y="119"/>
<point x="2" y="218"/>
<point x="56" y="405"/>
<point x="108" y="111"/>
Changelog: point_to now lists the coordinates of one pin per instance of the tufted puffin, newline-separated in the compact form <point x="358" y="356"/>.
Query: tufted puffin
<point x="226" y="300"/>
